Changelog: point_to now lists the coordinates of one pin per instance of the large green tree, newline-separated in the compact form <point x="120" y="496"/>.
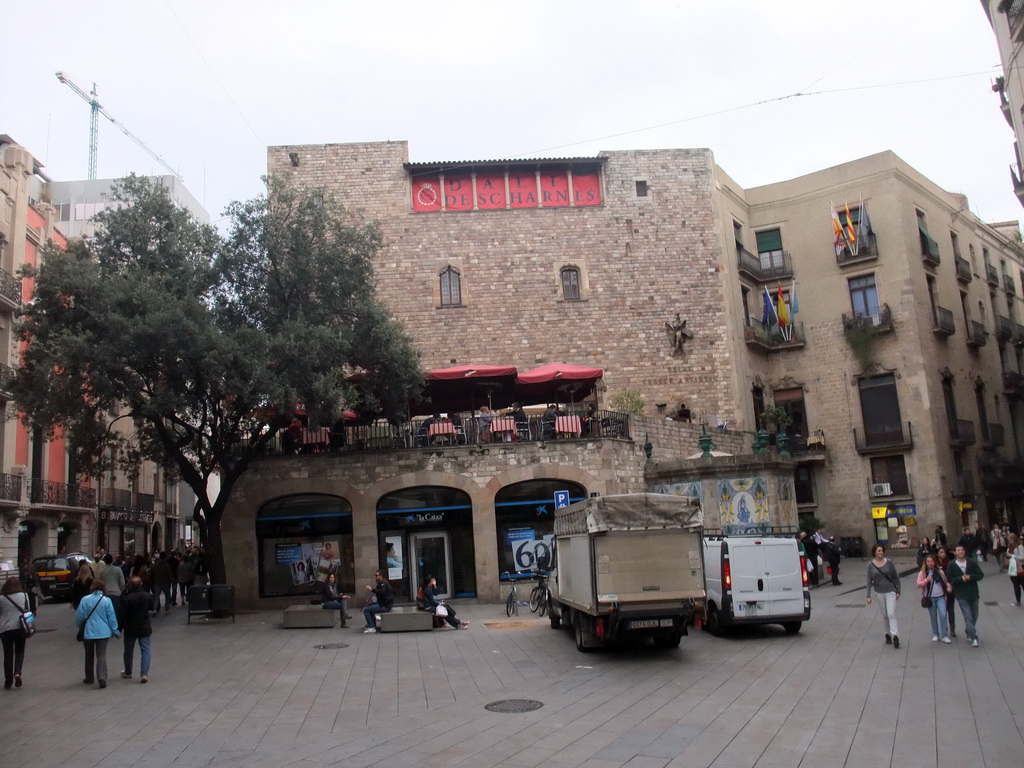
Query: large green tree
<point x="194" y="341"/>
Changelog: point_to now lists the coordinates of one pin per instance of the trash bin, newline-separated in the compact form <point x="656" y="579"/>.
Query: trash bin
<point x="222" y="600"/>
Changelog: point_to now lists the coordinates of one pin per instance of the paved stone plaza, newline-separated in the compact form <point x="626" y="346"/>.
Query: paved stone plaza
<point x="254" y="694"/>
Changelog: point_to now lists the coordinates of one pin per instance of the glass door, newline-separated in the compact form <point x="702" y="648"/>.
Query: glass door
<point x="432" y="557"/>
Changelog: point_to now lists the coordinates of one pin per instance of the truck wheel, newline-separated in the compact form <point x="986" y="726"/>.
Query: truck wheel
<point x="581" y="645"/>
<point x="556" y="620"/>
<point x="792" y="627"/>
<point x="714" y="621"/>
<point x="667" y="641"/>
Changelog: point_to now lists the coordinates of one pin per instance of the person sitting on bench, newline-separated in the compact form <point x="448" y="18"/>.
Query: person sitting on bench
<point x="433" y="604"/>
<point x="334" y="600"/>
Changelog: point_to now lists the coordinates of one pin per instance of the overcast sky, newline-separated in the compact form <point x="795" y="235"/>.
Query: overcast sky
<point x="209" y="85"/>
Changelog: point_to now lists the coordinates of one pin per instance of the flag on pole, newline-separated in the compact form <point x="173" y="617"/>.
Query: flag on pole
<point x="783" y="313"/>
<point x="837" y="227"/>
<point x="851" y="234"/>
<point x="766" y="314"/>
<point x="863" y="225"/>
<point x="794" y="307"/>
<point x="769" y="303"/>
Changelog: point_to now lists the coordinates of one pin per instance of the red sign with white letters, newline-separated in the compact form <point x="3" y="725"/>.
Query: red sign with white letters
<point x="494" y="191"/>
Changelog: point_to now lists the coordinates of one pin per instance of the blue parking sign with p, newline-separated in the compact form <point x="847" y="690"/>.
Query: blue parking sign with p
<point x="561" y="499"/>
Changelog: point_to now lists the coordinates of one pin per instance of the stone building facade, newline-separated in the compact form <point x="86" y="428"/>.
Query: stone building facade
<point x="901" y="370"/>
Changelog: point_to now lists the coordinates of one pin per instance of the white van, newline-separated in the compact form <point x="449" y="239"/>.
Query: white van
<point x="755" y="579"/>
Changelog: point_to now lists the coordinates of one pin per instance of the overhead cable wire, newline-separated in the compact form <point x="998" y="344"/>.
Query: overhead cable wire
<point x="753" y="104"/>
<point x="214" y="74"/>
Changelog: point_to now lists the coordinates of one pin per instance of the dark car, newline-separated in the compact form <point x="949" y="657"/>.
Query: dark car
<point x="56" y="572"/>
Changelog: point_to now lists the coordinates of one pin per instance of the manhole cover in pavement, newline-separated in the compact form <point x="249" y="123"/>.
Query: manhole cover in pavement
<point x="330" y="646"/>
<point x="513" y="705"/>
<point x="849" y="605"/>
<point x="993" y="603"/>
<point x="504" y="624"/>
<point x="40" y="631"/>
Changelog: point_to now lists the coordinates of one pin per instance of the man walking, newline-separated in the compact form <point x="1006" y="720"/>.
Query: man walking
<point x="963" y="574"/>
<point x="137" y="627"/>
<point x="811" y="550"/>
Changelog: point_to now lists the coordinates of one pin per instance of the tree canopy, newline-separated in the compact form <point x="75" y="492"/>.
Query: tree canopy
<point x="193" y="339"/>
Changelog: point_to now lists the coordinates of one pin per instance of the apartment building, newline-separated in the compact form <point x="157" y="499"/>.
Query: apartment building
<point x="46" y="506"/>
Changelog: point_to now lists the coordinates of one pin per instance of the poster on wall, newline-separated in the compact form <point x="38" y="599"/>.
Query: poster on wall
<point x="393" y="555"/>
<point x="328" y="560"/>
<point x="530" y="552"/>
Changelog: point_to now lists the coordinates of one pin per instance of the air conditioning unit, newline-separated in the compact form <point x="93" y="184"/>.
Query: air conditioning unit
<point x="881" y="489"/>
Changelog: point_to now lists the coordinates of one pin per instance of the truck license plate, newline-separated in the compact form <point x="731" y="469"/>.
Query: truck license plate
<point x="748" y="609"/>
<point x="650" y="623"/>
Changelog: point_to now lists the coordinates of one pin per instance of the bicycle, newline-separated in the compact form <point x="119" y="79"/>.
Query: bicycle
<point x="540" y="595"/>
<point x="512" y="601"/>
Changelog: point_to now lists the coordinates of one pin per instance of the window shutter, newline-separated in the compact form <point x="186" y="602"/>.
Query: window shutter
<point x="769" y="240"/>
<point x="926" y="239"/>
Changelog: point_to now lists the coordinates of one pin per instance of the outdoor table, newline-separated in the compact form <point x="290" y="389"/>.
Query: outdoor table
<point x="315" y="440"/>
<point x="568" y="425"/>
<point x="503" y="428"/>
<point x="442" y="432"/>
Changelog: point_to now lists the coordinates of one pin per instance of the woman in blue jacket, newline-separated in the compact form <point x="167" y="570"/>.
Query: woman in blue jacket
<point x="96" y="617"/>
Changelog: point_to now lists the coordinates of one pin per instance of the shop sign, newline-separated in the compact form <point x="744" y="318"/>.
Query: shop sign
<point x="420" y="518"/>
<point x="127" y="516"/>
<point x="879" y="513"/>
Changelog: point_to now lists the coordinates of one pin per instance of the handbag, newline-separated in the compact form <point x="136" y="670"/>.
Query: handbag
<point x="1011" y="566"/>
<point x="80" y="637"/>
<point x="440" y="610"/>
<point x="26" y="620"/>
<point x="926" y="602"/>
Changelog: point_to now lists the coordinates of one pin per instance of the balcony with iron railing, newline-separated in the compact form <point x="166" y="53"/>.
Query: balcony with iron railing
<point x="773" y="339"/>
<point x="809" y="447"/>
<point x="882" y="321"/>
<point x="774" y="266"/>
<point x="1018" y="334"/>
<point x="880" y="439"/>
<point x="1018" y="182"/>
<point x="10" y="488"/>
<point x="867" y="249"/>
<point x="977" y="336"/>
<point x="122" y="498"/>
<point x="49" y="493"/>
<point x="942" y="322"/>
<point x="1013" y="384"/>
<point x="961" y="433"/>
<point x="1004" y="328"/>
<point x="417" y="434"/>
<point x="10" y="290"/>
<point x="963" y="269"/>
<point x="991" y="275"/>
<point x="1009" y="285"/>
<point x="1014" y="10"/>
<point x="963" y="484"/>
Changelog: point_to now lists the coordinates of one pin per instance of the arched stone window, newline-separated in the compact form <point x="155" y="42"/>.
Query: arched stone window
<point x="451" y="287"/>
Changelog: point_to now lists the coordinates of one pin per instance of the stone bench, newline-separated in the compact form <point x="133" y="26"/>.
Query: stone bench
<point x="405" y="619"/>
<point x="301" y="616"/>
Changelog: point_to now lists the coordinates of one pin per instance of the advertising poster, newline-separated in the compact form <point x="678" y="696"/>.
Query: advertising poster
<point x="393" y="555"/>
<point x="329" y="559"/>
<point x="531" y="552"/>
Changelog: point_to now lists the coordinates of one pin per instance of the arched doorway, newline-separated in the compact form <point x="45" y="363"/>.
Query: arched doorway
<point x="69" y="538"/>
<point x="524" y="515"/>
<point x="29" y="546"/>
<point x="427" y="531"/>
<point x="301" y="539"/>
<point x="154" y="538"/>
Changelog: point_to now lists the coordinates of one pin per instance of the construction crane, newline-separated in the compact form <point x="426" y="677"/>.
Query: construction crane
<point x="95" y="110"/>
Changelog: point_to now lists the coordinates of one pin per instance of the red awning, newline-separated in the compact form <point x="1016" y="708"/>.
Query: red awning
<point x="557" y="382"/>
<point x="472" y="372"/>
<point x="466" y="388"/>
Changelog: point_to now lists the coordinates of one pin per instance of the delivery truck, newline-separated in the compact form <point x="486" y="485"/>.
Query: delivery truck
<point x="627" y="566"/>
